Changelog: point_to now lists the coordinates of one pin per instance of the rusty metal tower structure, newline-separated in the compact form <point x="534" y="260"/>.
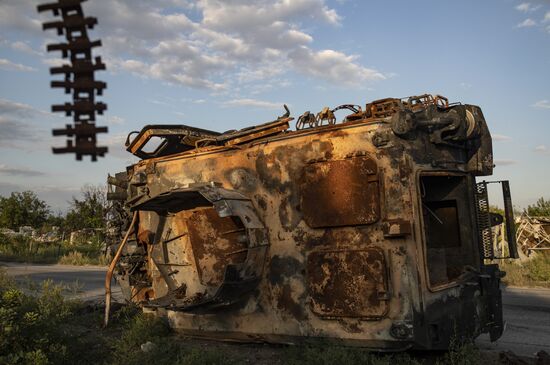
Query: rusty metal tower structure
<point x="79" y="78"/>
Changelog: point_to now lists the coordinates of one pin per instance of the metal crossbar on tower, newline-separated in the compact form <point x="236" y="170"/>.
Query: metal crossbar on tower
<point x="79" y="78"/>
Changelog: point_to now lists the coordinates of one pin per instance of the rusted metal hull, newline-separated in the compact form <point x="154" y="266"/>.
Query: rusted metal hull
<point x="322" y="233"/>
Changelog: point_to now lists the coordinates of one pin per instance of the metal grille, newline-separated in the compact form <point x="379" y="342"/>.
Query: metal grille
<point x="484" y="220"/>
<point x="79" y="77"/>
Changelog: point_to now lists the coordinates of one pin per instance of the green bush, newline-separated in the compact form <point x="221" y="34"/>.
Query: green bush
<point x="531" y="273"/>
<point x="461" y="354"/>
<point x="31" y="330"/>
<point x="140" y="329"/>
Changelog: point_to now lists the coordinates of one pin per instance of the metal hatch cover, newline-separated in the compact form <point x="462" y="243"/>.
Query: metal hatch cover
<point x="341" y="193"/>
<point x="348" y="283"/>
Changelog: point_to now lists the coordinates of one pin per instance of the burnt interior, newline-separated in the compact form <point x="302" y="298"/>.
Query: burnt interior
<point x="447" y="227"/>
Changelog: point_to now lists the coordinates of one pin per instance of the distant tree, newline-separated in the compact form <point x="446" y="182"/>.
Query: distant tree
<point x="23" y="209"/>
<point x="540" y="209"/>
<point x="56" y="219"/>
<point x="90" y="211"/>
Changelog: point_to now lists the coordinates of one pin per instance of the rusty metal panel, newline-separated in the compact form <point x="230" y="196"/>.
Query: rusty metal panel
<point x="341" y="193"/>
<point x="216" y="243"/>
<point x="348" y="283"/>
<point x="331" y="230"/>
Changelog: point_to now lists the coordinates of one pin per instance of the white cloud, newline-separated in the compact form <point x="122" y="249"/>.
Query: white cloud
<point x="12" y="66"/>
<point x="501" y="138"/>
<point x="16" y="126"/>
<point x="542" y="149"/>
<point x="527" y="23"/>
<point x="253" y="103"/>
<point x="19" y="109"/>
<point x="332" y="66"/>
<point x="159" y="102"/>
<point x="20" y="16"/>
<point x="19" y="171"/>
<point x="527" y="7"/>
<point x="236" y="15"/>
<point x="547" y="17"/>
<point x="524" y="7"/>
<point x="542" y="104"/>
<point x="113" y="119"/>
<point x="25" y="48"/>
<point x="209" y="44"/>
<point x="505" y="162"/>
<point x="53" y="62"/>
<point x="14" y="131"/>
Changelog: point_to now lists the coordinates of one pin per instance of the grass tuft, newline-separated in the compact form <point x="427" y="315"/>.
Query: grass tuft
<point x="25" y="249"/>
<point x="330" y="354"/>
<point x="534" y="272"/>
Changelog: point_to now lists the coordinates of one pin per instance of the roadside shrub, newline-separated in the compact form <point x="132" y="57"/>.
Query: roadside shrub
<point x="140" y="329"/>
<point x="31" y="326"/>
<point x="533" y="272"/>
<point x="461" y="354"/>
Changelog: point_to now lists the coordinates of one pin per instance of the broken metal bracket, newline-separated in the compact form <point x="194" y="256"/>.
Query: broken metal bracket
<point x="486" y="220"/>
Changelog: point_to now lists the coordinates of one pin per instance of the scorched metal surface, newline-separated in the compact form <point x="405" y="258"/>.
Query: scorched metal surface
<point x="364" y="232"/>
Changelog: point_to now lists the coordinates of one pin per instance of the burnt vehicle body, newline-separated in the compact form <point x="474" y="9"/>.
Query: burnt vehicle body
<point x="371" y="232"/>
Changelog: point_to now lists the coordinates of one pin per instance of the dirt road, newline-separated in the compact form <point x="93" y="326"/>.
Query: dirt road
<point x="526" y="311"/>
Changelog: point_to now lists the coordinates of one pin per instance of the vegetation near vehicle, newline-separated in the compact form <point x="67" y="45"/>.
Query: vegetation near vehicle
<point x="39" y="326"/>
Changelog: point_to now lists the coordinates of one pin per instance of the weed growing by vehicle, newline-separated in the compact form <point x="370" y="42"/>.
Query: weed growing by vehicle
<point x="534" y="272"/>
<point x="330" y="354"/>
<point x="460" y="354"/>
<point x="31" y="329"/>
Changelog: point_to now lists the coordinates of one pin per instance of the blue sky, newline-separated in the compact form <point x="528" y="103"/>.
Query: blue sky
<point x="227" y="64"/>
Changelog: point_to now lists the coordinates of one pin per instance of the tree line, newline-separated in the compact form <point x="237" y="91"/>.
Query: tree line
<point x="27" y="209"/>
<point x="90" y="211"/>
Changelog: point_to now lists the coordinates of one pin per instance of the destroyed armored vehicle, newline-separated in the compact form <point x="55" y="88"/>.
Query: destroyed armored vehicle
<point x="369" y="232"/>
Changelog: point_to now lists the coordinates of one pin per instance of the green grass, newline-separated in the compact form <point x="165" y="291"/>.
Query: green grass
<point x="39" y="326"/>
<point x="32" y="326"/>
<point x="534" y="272"/>
<point x="330" y="354"/>
<point x="24" y="249"/>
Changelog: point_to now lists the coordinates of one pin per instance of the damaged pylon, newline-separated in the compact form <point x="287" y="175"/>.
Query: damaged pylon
<point x="79" y="78"/>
